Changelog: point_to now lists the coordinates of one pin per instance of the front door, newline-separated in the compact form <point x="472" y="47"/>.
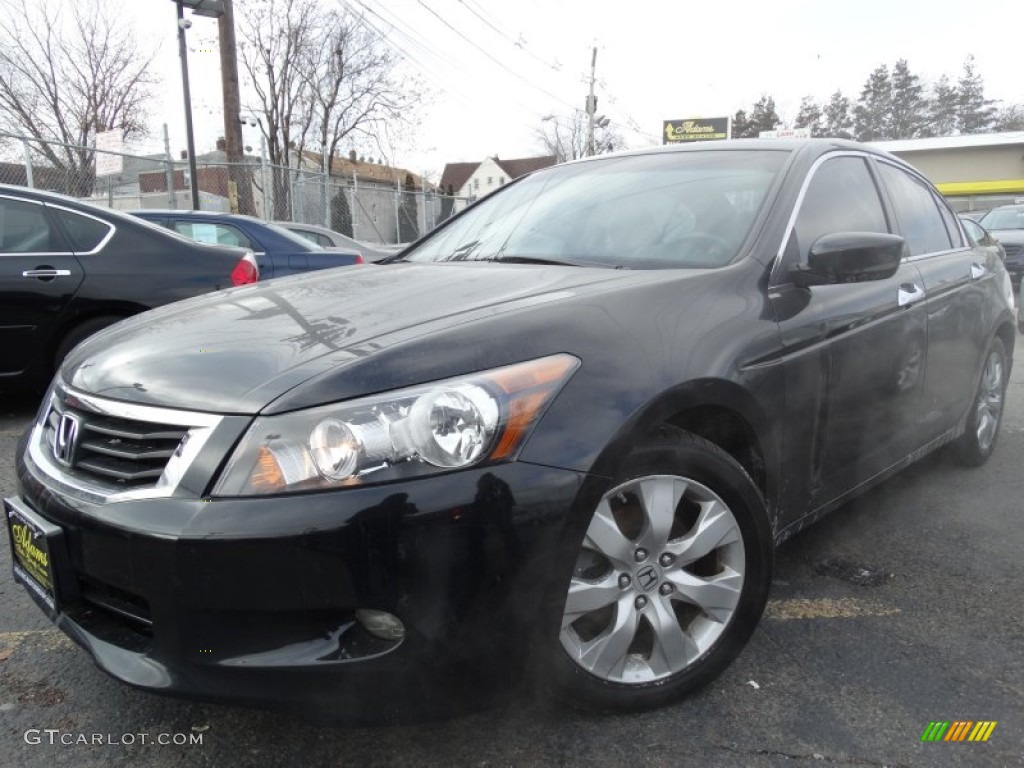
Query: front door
<point x="855" y="351"/>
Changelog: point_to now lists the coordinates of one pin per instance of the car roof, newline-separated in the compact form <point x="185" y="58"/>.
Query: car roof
<point x="194" y="214"/>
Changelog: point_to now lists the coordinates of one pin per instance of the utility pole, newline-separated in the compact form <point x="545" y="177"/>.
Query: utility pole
<point x="234" y="155"/>
<point x="591" y="105"/>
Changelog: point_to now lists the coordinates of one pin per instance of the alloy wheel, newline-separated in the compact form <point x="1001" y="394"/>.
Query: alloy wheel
<point x="990" y="400"/>
<point x="657" y="580"/>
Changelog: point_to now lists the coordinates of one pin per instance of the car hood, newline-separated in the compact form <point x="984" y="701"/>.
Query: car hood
<point x="238" y="350"/>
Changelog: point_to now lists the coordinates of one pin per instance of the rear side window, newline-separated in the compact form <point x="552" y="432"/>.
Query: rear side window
<point x="842" y="197"/>
<point x="920" y="221"/>
<point x="84" y="233"/>
<point x="217" y="234"/>
<point x="24" y="228"/>
<point x="973" y="230"/>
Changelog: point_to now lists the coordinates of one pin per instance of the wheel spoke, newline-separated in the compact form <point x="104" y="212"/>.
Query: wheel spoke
<point x="605" y="536"/>
<point x="605" y="655"/>
<point x="715" y="527"/>
<point x="716" y="596"/>
<point x="586" y="596"/>
<point x="660" y="497"/>
<point x="673" y="647"/>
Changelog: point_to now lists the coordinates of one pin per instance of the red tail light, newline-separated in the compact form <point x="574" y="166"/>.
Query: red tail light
<point x="359" y="258"/>
<point x="245" y="271"/>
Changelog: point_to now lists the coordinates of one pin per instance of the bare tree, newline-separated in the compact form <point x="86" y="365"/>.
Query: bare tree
<point x="565" y="136"/>
<point x="68" y="71"/>
<point x="322" y="78"/>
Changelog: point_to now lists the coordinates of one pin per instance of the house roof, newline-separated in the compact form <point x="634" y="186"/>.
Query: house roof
<point x="365" y="170"/>
<point x="523" y="165"/>
<point x="457" y="174"/>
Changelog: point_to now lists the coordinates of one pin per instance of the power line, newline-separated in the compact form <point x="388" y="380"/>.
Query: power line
<point x="519" y="43"/>
<point x="492" y="58"/>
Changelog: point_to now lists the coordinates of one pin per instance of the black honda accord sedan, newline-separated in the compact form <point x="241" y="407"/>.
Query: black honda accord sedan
<point x="562" y="435"/>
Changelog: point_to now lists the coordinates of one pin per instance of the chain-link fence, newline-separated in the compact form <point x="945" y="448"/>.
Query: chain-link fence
<point x="367" y="201"/>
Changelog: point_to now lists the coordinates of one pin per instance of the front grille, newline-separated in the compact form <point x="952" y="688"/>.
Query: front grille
<point x="118" y="452"/>
<point x="1012" y="249"/>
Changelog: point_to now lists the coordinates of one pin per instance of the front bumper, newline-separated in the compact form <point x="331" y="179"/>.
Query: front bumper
<point x="253" y="600"/>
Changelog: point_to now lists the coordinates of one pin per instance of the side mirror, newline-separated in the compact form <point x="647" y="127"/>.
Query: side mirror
<point x="850" y="257"/>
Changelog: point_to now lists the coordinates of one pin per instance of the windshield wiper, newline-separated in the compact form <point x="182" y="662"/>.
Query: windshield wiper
<point x="542" y="260"/>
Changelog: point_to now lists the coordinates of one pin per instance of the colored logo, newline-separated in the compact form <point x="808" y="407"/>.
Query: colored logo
<point x="959" y="730"/>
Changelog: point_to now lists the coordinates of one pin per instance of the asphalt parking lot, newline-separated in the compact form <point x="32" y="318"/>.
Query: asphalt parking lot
<point x="903" y="608"/>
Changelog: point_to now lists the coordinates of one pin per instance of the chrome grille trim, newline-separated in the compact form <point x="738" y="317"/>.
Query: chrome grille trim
<point x="188" y="430"/>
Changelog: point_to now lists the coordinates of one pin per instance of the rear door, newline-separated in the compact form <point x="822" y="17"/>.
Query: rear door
<point x="38" y="278"/>
<point x="956" y="277"/>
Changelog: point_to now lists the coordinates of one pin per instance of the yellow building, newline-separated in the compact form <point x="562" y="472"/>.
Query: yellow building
<point x="974" y="172"/>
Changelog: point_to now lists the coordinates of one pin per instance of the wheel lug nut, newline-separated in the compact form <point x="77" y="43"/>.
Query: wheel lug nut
<point x="666" y="560"/>
<point x="640" y="555"/>
<point x="623" y="581"/>
<point x="666" y="588"/>
<point x="641" y="602"/>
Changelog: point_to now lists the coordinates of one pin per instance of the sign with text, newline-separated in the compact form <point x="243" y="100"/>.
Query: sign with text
<point x="786" y="133"/>
<point x="695" y="129"/>
<point x="108" y="142"/>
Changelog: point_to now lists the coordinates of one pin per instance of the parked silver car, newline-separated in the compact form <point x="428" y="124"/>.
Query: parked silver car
<point x="328" y="238"/>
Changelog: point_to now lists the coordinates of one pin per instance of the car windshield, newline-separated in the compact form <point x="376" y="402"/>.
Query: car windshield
<point x="656" y="211"/>
<point x="1004" y="218"/>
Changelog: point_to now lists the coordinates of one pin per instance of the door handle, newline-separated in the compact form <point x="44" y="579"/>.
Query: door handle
<point x="909" y="293"/>
<point x="977" y="270"/>
<point x="46" y="273"/>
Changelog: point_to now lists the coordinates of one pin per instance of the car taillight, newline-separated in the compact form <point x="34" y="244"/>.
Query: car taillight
<point x="359" y="258"/>
<point x="245" y="271"/>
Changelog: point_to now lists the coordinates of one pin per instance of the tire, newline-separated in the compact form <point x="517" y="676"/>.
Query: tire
<point x="80" y="333"/>
<point x="985" y="416"/>
<point x="633" y="635"/>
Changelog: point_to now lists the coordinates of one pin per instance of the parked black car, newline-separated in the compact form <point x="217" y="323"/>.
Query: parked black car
<point x="68" y="269"/>
<point x="1006" y="224"/>
<point x="565" y="430"/>
<point x="278" y="251"/>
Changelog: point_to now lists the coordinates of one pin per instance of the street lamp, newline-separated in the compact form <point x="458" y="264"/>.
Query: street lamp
<point x="211" y="9"/>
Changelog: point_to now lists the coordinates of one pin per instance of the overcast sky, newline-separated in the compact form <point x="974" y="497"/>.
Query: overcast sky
<point x="493" y="70"/>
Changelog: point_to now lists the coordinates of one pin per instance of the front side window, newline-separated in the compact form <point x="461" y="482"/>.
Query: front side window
<point x="658" y="211"/>
<point x="841" y="197"/>
<point x="24" y="228"/>
<point x="919" y="218"/>
<point x="84" y="233"/>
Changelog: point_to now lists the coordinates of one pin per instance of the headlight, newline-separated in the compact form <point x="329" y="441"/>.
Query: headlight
<point x="446" y="425"/>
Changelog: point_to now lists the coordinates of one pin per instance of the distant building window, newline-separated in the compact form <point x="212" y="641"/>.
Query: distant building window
<point x="501" y="180"/>
<point x="490" y="181"/>
<point x="476" y="183"/>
